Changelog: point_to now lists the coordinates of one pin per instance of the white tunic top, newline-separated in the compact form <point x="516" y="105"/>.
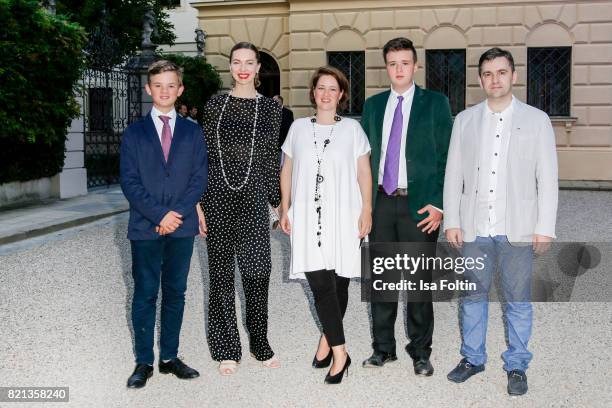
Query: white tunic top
<point x="340" y="197"/>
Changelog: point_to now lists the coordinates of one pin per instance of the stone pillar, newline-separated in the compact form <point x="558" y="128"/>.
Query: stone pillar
<point x="72" y="180"/>
<point x="141" y="102"/>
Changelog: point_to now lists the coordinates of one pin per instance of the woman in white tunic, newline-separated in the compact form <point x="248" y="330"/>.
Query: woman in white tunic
<point x="326" y="208"/>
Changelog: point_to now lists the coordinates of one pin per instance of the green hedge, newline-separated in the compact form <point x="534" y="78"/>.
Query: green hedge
<point x="200" y="79"/>
<point x="40" y="63"/>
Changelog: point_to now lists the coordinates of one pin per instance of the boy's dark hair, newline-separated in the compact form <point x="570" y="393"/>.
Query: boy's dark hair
<point x="343" y="84"/>
<point x="398" y="44"/>
<point x="493" y="53"/>
<point x="164" y="66"/>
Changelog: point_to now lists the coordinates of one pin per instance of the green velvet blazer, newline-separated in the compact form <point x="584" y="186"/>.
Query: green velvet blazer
<point x="427" y="140"/>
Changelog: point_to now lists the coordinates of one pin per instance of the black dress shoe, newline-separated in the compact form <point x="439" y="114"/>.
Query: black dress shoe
<point x="379" y="359"/>
<point x="139" y="377"/>
<point x="322" y="363"/>
<point x="423" y="367"/>
<point x="517" y="382"/>
<point x="463" y="371"/>
<point x="337" y="378"/>
<point x="178" y="368"/>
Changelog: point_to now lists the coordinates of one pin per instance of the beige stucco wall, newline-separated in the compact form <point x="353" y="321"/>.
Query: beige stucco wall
<point x="298" y="33"/>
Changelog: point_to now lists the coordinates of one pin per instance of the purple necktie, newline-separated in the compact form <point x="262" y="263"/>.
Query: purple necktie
<point x="166" y="138"/>
<point x="391" y="171"/>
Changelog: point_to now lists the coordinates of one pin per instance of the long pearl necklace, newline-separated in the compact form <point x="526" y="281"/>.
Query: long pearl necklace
<point x="248" y="172"/>
<point x="320" y="178"/>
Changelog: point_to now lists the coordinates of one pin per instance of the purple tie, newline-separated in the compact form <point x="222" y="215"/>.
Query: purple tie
<point x="391" y="171"/>
<point x="166" y="139"/>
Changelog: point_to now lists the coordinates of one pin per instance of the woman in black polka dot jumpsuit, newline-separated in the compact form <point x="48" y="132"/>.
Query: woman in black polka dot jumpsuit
<point x="243" y="178"/>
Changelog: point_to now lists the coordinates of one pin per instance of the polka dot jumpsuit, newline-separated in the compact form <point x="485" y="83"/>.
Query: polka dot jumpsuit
<point x="238" y="221"/>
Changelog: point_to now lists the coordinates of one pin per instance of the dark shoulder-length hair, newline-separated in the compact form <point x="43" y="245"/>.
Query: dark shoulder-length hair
<point x="340" y="78"/>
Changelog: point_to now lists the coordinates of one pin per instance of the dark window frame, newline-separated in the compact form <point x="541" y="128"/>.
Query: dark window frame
<point x="447" y="79"/>
<point x="269" y="75"/>
<point x="549" y="83"/>
<point x="355" y="73"/>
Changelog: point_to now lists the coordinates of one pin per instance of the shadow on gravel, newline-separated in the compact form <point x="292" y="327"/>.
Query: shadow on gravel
<point x="120" y="240"/>
<point x="283" y="240"/>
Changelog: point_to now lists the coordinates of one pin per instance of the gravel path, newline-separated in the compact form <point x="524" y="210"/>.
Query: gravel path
<point x="64" y="321"/>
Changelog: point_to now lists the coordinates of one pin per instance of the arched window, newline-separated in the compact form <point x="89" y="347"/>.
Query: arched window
<point x="269" y="76"/>
<point x="345" y="51"/>
<point x="549" y="69"/>
<point x="445" y="65"/>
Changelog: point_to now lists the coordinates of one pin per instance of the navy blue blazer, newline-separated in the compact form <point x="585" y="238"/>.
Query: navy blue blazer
<point x="154" y="187"/>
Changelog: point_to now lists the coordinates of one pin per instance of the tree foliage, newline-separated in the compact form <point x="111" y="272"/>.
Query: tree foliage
<point x="40" y="63"/>
<point x="124" y="18"/>
<point x="200" y="79"/>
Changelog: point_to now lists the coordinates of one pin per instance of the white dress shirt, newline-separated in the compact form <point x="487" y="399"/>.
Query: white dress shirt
<point x="402" y="181"/>
<point x="159" y="125"/>
<point x="492" y="174"/>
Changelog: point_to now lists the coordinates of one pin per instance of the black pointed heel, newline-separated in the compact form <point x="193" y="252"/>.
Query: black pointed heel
<point x="337" y="378"/>
<point x="322" y="363"/>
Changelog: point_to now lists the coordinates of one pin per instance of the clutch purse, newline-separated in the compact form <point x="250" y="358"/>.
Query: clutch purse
<point x="274" y="218"/>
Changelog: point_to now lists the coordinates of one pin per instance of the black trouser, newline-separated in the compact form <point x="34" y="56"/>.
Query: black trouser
<point x="331" y="297"/>
<point x="392" y="223"/>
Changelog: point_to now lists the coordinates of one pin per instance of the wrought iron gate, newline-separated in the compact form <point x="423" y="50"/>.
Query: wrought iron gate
<point x="111" y="96"/>
<point x="107" y="99"/>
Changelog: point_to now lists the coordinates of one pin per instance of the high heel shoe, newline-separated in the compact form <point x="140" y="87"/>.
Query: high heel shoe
<point x="337" y="378"/>
<point x="322" y="363"/>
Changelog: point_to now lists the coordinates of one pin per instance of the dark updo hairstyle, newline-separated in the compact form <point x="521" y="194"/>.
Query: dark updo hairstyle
<point x="245" y="45"/>
<point x="340" y="78"/>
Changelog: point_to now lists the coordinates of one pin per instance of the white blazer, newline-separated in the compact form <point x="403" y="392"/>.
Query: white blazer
<point x="532" y="174"/>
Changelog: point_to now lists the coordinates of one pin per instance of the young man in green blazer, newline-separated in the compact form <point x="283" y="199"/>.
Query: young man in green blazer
<point x="409" y="131"/>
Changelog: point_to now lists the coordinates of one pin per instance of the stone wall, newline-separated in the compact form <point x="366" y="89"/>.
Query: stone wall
<point x="298" y="33"/>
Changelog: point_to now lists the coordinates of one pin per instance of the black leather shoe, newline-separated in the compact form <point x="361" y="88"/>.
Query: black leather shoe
<point x="178" y="368"/>
<point x="337" y="378"/>
<point x="423" y="367"/>
<point x="517" y="382"/>
<point x="139" y="377"/>
<point x="379" y="359"/>
<point x="322" y="363"/>
<point x="463" y="371"/>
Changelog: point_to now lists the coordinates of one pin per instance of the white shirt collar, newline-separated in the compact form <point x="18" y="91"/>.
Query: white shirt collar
<point x="155" y="113"/>
<point x="505" y="112"/>
<point x="407" y="95"/>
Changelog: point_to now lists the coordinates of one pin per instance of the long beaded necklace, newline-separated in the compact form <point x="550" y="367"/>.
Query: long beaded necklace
<point x="320" y="178"/>
<point x="248" y="172"/>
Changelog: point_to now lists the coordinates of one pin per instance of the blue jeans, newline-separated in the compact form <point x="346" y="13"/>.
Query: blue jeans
<point x="515" y="264"/>
<point x="163" y="261"/>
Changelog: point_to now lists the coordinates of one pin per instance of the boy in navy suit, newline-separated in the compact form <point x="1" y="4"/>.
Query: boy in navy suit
<point x="164" y="171"/>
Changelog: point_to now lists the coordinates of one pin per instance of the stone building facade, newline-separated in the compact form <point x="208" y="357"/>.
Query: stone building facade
<point x="562" y="50"/>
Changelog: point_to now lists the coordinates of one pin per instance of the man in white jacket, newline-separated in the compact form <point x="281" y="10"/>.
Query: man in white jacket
<point x="500" y="204"/>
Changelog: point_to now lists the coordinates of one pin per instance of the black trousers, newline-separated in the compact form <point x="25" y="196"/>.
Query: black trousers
<point x="331" y="298"/>
<point x="392" y="222"/>
<point x="238" y="231"/>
